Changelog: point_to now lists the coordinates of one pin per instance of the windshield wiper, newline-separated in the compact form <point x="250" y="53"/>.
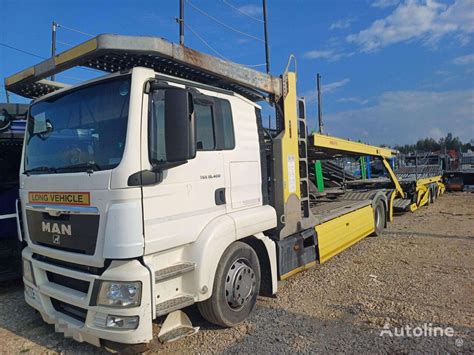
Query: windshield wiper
<point x="87" y="167"/>
<point x="40" y="169"/>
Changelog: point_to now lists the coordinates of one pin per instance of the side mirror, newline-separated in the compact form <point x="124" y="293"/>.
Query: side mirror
<point x="180" y="134"/>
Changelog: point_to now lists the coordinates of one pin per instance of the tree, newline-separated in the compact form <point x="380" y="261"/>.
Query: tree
<point x="427" y="145"/>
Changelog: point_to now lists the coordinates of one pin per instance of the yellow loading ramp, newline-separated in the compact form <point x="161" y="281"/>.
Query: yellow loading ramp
<point x="343" y="223"/>
<point x="343" y="146"/>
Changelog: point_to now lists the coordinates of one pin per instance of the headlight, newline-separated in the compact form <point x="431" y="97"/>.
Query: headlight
<point x="119" y="294"/>
<point x="28" y="271"/>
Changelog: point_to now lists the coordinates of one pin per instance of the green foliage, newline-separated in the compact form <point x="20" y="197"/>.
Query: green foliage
<point x="431" y="145"/>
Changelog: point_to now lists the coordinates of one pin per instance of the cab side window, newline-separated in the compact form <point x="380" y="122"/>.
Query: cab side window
<point x="227" y="124"/>
<point x="157" y="146"/>
<point x="204" y="127"/>
<point x="214" y="126"/>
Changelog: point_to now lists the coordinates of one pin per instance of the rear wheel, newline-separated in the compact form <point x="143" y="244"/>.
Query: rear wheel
<point x="379" y="218"/>
<point x="236" y="287"/>
<point x="430" y="197"/>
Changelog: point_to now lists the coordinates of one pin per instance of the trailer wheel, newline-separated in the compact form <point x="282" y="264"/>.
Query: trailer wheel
<point x="435" y="193"/>
<point x="379" y="218"/>
<point x="236" y="287"/>
<point x="430" y="197"/>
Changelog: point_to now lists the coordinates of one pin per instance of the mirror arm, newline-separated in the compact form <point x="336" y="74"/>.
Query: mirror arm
<point x="153" y="176"/>
<point x="145" y="177"/>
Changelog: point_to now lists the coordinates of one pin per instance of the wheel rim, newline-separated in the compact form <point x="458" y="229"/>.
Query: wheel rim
<point x="240" y="284"/>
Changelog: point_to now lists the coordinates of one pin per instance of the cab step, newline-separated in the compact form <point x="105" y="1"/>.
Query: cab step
<point x="174" y="304"/>
<point x="173" y="271"/>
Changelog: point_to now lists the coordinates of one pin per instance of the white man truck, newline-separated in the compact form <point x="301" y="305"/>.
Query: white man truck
<point x="156" y="187"/>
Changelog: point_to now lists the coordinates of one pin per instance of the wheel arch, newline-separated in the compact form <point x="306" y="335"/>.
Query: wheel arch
<point x="266" y="252"/>
<point x="246" y="226"/>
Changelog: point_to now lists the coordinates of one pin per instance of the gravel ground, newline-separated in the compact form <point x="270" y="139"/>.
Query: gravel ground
<point x="419" y="272"/>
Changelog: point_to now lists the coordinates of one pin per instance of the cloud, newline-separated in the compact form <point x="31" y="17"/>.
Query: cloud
<point x="355" y="100"/>
<point x="242" y="41"/>
<point x="328" y="88"/>
<point x="464" y="60"/>
<point x="312" y="95"/>
<point x="442" y="72"/>
<point x="341" y="24"/>
<point x="328" y="54"/>
<point x="251" y="9"/>
<point x="460" y="14"/>
<point x="425" y="20"/>
<point x="384" y="3"/>
<point x="401" y="117"/>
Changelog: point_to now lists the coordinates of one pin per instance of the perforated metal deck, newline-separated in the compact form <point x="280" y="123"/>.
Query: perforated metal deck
<point x="112" y="53"/>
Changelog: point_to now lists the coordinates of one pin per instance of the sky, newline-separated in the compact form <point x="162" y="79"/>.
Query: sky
<point x="393" y="71"/>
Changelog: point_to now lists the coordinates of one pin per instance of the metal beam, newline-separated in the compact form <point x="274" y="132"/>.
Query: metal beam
<point x="54" y="29"/>
<point x="326" y="142"/>
<point x="393" y="178"/>
<point x="265" y="31"/>
<point x="111" y="53"/>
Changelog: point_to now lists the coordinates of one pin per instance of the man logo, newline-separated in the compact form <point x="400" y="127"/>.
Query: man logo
<point x="57" y="228"/>
<point x="56" y="239"/>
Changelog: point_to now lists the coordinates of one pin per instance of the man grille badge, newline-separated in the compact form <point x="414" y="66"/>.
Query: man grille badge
<point x="56" y="239"/>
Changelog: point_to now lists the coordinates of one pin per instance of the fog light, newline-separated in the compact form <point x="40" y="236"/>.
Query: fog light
<point x="28" y="271"/>
<point x="122" y="322"/>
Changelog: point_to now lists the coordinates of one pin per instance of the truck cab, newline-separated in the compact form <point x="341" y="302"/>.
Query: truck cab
<point x="115" y="171"/>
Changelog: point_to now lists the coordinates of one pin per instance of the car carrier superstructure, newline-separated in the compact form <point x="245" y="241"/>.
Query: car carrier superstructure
<point x="156" y="187"/>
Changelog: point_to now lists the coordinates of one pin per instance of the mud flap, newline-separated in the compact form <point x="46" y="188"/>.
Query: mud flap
<point x="176" y="326"/>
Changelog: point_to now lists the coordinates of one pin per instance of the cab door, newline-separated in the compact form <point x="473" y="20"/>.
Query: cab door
<point x="190" y="195"/>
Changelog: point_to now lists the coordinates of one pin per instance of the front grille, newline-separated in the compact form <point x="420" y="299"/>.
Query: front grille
<point x="69" y="310"/>
<point x="69" y="282"/>
<point x="74" y="233"/>
<point x="71" y="250"/>
<point x="71" y="266"/>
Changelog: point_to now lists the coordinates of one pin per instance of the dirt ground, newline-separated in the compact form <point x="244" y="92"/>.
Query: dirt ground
<point x="420" y="273"/>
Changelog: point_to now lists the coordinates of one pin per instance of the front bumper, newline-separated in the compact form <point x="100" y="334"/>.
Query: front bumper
<point x="63" y="297"/>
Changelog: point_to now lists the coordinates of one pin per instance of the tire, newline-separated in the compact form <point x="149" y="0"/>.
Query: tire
<point x="380" y="218"/>
<point x="430" y="197"/>
<point x="238" y="270"/>
<point x="435" y="193"/>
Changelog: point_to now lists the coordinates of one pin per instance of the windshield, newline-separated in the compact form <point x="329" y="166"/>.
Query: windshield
<point x="81" y="130"/>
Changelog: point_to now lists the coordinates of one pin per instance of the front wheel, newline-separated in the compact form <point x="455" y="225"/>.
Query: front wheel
<point x="236" y="287"/>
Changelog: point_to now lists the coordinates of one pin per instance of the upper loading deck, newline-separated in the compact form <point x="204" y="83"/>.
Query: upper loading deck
<point x="114" y="53"/>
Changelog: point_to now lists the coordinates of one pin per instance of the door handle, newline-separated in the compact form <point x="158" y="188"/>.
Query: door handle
<point x="219" y="196"/>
